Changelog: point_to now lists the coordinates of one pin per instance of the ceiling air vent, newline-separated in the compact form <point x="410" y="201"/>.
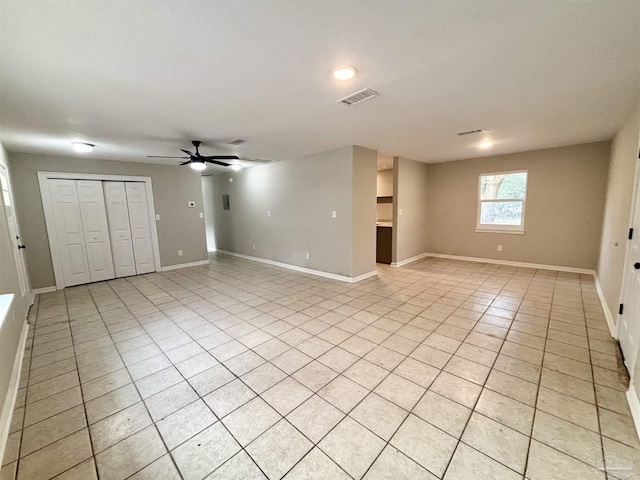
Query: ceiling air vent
<point x="471" y="132"/>
<point x="237" y="141"/>
<point x="358" y="97"/>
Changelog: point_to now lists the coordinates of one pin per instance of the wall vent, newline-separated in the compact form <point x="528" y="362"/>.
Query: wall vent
<point x="359" y="96"/>
<point x="471" y="132"/>
<point x="237" y="141"/>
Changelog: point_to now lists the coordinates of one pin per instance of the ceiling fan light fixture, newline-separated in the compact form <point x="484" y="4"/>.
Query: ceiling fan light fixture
<point x="344" y="72"/>
<point x="486" y="144"/>
<point x="199" y="166"/>
<point x="236" y="167"/>
<point x="82" y="147"/>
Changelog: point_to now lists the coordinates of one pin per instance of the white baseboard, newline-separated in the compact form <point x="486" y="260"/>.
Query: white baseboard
<point x="611" y="323"/>
<point x="185" y="265"/>
<point x="319" y="273"/>
<point x="10" y="400"/>
<point x="38" y="291"/>
<point x="410" y="260"/>
<point x="539" y="266"/>
<point x="634" y="406"/>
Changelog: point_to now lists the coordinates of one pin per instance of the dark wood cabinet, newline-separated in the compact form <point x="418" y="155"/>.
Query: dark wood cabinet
<point x="383" y="244"/>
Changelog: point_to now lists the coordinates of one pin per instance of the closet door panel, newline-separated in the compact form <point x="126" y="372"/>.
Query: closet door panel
<point x="119" y="229"/>
<point x="69" y="231"/>
<point x="96" y="230"/>
<point x="140" y="228"/>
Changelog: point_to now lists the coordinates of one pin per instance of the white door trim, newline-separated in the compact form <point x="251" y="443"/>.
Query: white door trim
<point x="43" y="180"/>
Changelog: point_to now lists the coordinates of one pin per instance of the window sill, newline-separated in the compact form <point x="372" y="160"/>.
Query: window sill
<point x="492" y="230"/>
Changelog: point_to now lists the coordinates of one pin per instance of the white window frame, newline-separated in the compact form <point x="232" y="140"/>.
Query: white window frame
<point x="490" y="228"/>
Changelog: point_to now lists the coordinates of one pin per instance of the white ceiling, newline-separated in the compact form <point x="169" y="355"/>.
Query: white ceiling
<point x="145" y="78"/>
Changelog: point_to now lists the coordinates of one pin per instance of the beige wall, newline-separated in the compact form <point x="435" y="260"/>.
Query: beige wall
<point x="10" y="329"/>
<point x="301" y="195"/>
<point x="411" y="229"/>
<point x="179" y="228"/>
<point x="565" y="201"/>
<point x="364" y="211"/>
<point x="617" y="211"/>
<point x="384" y="183"/>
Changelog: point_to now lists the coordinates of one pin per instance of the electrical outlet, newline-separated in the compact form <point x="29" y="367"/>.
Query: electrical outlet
<point x="400" y="212"/>
<point x="201" y="215"/>
<point x="179" y="253"/>
<point x="254" y="247"/>
<point x="307" y="255"/>
<point x="499" y="248"/>
<point x="268" y="213"/>
<point x="157" y="217"/>
<point x="334" y="214"/>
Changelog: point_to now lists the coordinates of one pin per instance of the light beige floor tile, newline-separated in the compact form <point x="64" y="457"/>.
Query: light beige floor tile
<point x="379" y="415"/>
<point x="338" y="359"/>
<point x="52" y="405"/>
<point x="513" y="387"/>
<point x="314" y="376"/>
<point x="56" y="457"/>
<point x="316" y="465"/>
<point x="110" y="403"/>
<point x="497" y="441"/>
<point x="52" y="386"/>
<point x="469" y="464"/>
<point x="431" y="356"/>
<point x="228" y="398"/>
<point x="619" y="427"/>
<point x="286" y="395"/>
<point x="251" y="420"/>
<point x="119" y="426"/>
<point x="622" y="461"/>
<point x="83" y="471"/>
<point x="170" y="400"/>
<point x="240" y="467"/>
<point x="211" y="379"/>
<point x="263" y="377"/>
<point x="425" y="444"/>
<point x="573" y="410"/>
<point x="52" y="429"/>
<point x="105" y="384"/>
<point x="613" y="400"/>
<point x="417" y="372"/>
<point x="163" y="468"/>
<point x="291" y="361"/>
<point x="567" y="384"/>
<point x="400" y="391"/>
<point x="352" y="446"/>
<point x="392" y="464"/>
<point x="278" y="449"/>
<point x="244" y="363"/>
<point x="130" y="455"/>
<point x="366" y="374"/>
<point x="204" y="453"/>
<point x="158" y="381"/>
<point x="545" y="463"/>
<point x="457" y="389"/>
<point x="343" y="393"/>
<point x="315" y="418"/>
<point x="472" y="371"/>
<point x="445" y="414"/>
<point x="12" y="448"/>
<point x="505" y="410"/>
<point x="566" y="437"/>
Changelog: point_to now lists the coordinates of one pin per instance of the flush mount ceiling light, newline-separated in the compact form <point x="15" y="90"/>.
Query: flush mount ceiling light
<point x="486" y="144"/>
<point x="236" y="167"/>
<point x="344" y="72"/>
<point x="81" y="147"/>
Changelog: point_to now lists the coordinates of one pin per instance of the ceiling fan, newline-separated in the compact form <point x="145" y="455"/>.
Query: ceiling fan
<point x="199" y="162"/>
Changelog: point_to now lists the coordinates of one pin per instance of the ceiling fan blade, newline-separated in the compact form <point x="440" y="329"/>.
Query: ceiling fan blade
<point x="221" y="157"/>
<point x="217" y="162"/>
<point x="185" y="163"/>
<point x="160" y="156"/>
<point x="257" y="160"/>
<point x="188" y="152"/>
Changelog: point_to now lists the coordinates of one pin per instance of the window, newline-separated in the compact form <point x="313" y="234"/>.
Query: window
<point x="501" y="202"/>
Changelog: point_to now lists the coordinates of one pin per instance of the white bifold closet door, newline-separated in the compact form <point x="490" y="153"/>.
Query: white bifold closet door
<point x="140" y="228"/>
<point x="69" y="231"/>
<point x="96" y="230"/>
<point x="115" y="196"/>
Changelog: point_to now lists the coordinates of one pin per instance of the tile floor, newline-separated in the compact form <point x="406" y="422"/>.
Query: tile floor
<point x="239" y="370"/>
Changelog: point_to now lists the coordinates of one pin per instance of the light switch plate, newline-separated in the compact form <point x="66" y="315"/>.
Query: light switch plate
<point x="334" y="214"/>
<point x="157" y="217"/>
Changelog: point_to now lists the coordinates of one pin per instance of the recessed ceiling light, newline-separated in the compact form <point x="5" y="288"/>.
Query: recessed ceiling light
<point x="81" y="147"/>
<point x="486" y="144"/>
<point x="236" y="167"/>
<point x="198" y="166"/>
<point x="344" y="72"/>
